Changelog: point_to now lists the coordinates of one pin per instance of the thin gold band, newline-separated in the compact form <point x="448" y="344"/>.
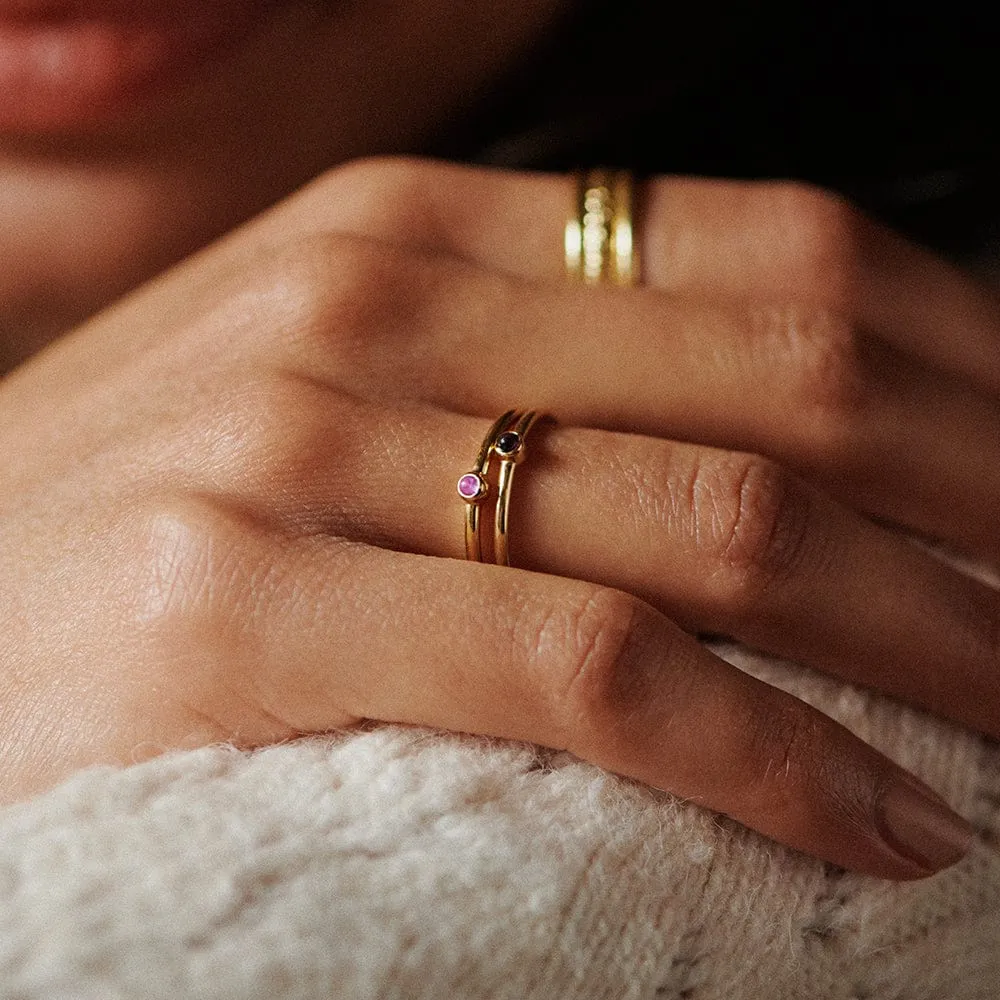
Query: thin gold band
<point x="477" y="478"/>
<point x="505" y="439"/>
<point x="509" y="461"/>
<point x="599" y="237"/>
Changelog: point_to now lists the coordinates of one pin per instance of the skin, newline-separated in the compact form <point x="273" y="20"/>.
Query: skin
<point x="212" y="482"/>
<point x="94" y="210"/>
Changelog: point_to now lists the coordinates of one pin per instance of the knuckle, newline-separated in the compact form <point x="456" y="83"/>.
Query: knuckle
<point x="382" y="196"/>
<point x="783" y="742"/>
<point x="753" y="516"/>
<point x="269" y="441"/>
<point x="591" y="637"/>
<point x="324" y="299"/>
<point x="194" y="572"/>
<point x="205" y="580"/>
<point x="828" y="372"/>
<point x="824" y="233"/>
<point x="255" y="428"/>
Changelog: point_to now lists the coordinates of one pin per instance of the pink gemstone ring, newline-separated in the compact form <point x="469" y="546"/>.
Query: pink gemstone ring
<point x="472" y="487"/>
<point x="505" y="439"/>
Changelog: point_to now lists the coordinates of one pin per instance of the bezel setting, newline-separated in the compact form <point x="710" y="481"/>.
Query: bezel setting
<point x="508" y="444"/>
<point x="471" y="487"/>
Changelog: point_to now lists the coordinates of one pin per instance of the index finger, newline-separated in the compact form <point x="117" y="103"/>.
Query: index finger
<point x="371" y="633"/>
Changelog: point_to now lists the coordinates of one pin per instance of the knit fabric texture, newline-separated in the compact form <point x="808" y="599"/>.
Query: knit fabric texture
<point x="398" y="862"/>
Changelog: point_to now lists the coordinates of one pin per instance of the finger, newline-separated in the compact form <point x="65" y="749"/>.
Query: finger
<point x="701" y="238"/>
<point x="880" y="431"/>
<point x="333" y="632"/>
<point x="721" y="542"/>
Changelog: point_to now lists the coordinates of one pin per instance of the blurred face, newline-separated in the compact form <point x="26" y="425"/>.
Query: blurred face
<point x="133" y="131"/>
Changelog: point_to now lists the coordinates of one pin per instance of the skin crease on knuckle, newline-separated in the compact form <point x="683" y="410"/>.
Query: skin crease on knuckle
<point x="607" y="646"/>
<point x="827" y="376"/>
<point x="588" y="637"/>
<point x="751" y="519"/>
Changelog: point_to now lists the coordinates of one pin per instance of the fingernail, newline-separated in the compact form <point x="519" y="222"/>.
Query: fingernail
<point x="918" y="824"/>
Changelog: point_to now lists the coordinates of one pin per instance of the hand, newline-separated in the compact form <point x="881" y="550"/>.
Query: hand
<point x="223" y="498"/>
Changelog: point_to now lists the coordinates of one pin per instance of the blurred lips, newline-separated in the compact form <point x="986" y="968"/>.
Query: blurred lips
<point x="73" y="63"/>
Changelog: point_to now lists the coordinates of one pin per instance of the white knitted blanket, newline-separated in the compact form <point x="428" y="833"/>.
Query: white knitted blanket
<point x="401" y="863"/>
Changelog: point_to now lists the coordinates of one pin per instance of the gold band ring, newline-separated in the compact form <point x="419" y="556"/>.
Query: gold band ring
<point x="599" y="237"/>
<point x="473" y="487"/>
<point x="509" y="446"/>
<point x="505" y="439"/>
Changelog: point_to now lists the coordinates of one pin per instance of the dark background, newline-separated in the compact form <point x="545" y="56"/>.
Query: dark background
<point x="896" y="106"/>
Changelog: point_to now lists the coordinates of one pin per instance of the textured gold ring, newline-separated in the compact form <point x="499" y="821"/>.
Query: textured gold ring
<point x="505" y="439"/>
<point x="599" y="237"/>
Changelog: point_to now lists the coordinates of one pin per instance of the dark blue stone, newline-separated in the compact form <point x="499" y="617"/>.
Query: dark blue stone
<point x="508" y="443"/>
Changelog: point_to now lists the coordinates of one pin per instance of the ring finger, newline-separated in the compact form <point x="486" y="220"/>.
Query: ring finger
<point x="875" y="427"/>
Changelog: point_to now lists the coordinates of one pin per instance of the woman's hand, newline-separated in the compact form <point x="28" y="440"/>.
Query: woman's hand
<point x="221" y="497"/>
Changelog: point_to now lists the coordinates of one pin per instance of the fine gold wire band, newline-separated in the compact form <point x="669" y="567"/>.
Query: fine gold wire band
<point x="599" y="238"/>
<point x="501" y="552"/>
<point x="473" y="540"/>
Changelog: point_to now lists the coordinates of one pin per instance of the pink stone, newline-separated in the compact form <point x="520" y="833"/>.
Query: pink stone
<point x="470" y="486"/>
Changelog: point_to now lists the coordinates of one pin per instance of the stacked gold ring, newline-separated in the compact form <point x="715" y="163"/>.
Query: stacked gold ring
<point x="599" y="237"/>
<point x="506" y="440"/>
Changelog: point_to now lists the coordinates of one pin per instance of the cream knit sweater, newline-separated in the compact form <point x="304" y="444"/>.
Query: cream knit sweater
<point x="401" y="863"/>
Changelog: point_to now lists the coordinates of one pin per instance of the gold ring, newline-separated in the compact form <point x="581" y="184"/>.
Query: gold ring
<point x="599" y="237"/>
<point x="473" y="488"/>
<point x="505" y="439"/>
<point x="509" y="446"/>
